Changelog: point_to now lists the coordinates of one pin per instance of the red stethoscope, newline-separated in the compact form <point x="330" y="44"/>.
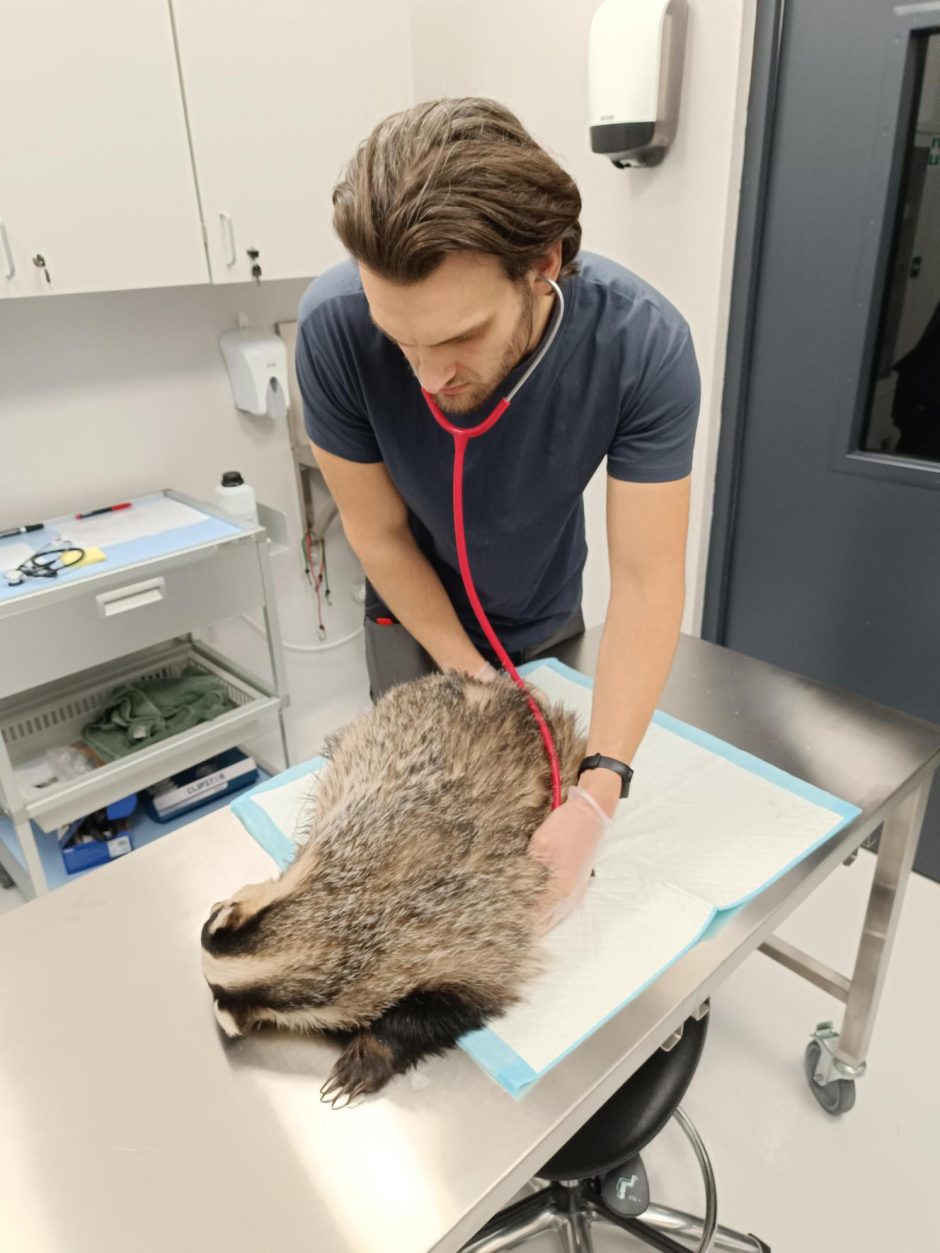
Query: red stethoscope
<point x="462" y="437"/>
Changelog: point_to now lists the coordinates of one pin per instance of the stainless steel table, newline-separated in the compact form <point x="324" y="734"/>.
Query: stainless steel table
<point x="127" y="1123"/>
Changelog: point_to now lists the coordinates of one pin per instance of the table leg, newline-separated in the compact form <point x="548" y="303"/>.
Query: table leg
<point x="895" y="857"/>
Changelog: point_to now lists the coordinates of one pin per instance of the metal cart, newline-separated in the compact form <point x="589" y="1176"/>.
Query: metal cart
<point x="66" y="642"/>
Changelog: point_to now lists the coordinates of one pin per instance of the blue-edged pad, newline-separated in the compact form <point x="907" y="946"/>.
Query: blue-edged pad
<point x="844" y="811"/>
<point x="280" y="844"/>
<point x="127" y="553"/>
<point x="657" y="888"/>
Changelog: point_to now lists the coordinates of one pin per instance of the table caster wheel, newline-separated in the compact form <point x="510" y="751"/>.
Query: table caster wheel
<point x="5" y="880"/>
<point x="837" y="1096"/>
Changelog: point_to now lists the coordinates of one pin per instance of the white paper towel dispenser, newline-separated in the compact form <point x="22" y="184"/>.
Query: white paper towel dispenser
<point x="257" y="368"/>
<point x="635" y="60"/>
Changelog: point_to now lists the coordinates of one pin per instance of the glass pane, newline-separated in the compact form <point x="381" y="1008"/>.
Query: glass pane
<point x="904" y="406"/>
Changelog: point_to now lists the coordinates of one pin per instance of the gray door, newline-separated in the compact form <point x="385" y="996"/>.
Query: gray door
<point x="826" y="543"/>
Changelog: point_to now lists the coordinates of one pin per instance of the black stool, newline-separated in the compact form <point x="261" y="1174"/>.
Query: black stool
<point x="598" y="1176"/>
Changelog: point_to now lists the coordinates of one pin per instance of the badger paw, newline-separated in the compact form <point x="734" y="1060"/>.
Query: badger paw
<point x="364" y="1066"/>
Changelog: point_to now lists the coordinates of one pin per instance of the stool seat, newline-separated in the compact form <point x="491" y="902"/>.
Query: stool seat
<point x="598" y="1176"/>
<point x="635" y="1114"/>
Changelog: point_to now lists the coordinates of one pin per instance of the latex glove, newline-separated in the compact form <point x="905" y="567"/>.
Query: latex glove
<point x="566" y="842"/>
<point x="486" y="673"/>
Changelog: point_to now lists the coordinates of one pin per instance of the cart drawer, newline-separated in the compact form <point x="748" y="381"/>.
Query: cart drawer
<point x="113" y="615"/>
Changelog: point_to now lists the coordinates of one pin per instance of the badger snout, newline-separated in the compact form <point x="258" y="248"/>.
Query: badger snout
<point x="226" y="1021"/>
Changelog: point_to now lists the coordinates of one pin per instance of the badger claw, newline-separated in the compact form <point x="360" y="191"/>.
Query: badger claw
<point x="337" y="1097"/>
<point x="364" y="1066"/>
<point x="347" y="1100"/>
<point x="329" y="1089"/>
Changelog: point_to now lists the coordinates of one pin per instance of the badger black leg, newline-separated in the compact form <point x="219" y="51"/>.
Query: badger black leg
<point x="422" y="1024"/>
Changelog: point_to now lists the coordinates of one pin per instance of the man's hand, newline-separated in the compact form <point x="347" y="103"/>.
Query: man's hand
<point x="566" y="842"/>
<point x="375" y="519"/>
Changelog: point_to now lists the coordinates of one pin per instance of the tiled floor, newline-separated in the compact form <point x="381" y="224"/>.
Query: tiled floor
<point x="803" y="1181"/>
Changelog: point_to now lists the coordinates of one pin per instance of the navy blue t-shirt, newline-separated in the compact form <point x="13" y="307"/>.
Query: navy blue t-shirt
<point x="620" y="381"/>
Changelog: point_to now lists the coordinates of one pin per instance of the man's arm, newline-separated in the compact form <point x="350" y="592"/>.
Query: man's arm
<point x="375" y="519"/>
<point x="647" y="526"/>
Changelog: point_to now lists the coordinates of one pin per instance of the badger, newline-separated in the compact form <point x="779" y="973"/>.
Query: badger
<point x="410" y="914"/>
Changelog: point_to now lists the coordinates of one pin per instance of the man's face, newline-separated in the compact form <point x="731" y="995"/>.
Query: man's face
<point x="462" y="329"/>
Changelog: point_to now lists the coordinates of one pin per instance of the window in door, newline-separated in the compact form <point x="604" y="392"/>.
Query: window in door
<point x="904" y="400"/>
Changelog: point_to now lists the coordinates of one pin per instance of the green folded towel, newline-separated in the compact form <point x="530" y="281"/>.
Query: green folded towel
<point x="140" y="714"/>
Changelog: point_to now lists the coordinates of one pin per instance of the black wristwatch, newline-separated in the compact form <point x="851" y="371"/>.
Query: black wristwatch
<point x="609" y="763"/>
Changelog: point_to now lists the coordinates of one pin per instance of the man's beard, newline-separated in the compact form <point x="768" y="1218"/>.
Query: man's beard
<point x="474" y="395"/>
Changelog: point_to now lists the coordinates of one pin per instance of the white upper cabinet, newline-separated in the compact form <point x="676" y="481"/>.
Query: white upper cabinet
<point x="278" y="95"/>
<point x="96" y="180"/>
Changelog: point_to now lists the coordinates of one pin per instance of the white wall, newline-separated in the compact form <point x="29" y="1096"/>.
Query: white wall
<point x="674" y="225"/>
<point x="105" y="397"/>
<point x="119" y="393"/>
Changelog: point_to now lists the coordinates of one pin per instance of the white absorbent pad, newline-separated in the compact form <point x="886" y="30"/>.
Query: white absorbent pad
<point x="706" y="827"/>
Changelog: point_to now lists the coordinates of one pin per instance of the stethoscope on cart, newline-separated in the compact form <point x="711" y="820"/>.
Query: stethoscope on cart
<point x="462" y="437"/>
<point x="46" y="562"/>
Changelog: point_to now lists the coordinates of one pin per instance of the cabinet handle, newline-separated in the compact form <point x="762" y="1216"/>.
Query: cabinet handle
<point x="134" y="596"/>
<point x="7" y="253"/>
<point x="228" y="239"/>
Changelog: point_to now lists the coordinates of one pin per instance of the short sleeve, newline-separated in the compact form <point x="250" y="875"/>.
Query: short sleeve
<point x="334" y="416"/>
<point x="655" y="436"/>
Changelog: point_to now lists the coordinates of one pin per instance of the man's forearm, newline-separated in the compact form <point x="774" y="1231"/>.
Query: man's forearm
<point x="408" y="584"/>
<point x="637" y="650"/>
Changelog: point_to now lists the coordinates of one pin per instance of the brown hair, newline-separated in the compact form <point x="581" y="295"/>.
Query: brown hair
<point x="452" y="176"/>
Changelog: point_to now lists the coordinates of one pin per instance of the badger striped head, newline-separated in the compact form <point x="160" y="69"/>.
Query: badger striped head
<point x="266" y="961"/>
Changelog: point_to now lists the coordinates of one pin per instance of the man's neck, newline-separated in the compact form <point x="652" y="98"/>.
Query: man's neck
<point x="544" y="304"/>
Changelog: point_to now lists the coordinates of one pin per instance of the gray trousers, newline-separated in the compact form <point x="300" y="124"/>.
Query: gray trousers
<point x="393" y="655"/>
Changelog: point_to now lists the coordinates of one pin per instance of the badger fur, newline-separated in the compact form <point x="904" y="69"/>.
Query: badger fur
<point x="410" y="915"/>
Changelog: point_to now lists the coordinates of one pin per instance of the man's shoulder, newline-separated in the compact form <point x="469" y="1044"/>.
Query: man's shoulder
<point x="337" y="293"/>
<point x="610" y="285"/>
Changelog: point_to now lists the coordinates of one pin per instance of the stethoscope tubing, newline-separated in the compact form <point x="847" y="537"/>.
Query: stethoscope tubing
<point x="462" y="437"/>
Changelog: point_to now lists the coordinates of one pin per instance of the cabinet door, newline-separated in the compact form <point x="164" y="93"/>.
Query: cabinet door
<point x="278" y="94"/>
<point x="95" y="171"/>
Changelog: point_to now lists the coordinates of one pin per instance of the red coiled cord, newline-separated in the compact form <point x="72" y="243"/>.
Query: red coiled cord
<point x="461" y="439"/>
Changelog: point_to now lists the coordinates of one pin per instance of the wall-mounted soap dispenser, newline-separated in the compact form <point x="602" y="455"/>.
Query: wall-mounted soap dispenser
<point x="257" y="368"/>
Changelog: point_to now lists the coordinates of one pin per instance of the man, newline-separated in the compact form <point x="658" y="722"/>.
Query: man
<point x="454" y="218"/>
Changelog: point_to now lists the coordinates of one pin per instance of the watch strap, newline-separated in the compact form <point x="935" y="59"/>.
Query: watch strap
<point x="598" y="760"/>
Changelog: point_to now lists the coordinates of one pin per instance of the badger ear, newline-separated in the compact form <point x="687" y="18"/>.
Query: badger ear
<point x="231" y="928"/>
<point x="227" y="915"/>
<point x="244" y="906"/>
